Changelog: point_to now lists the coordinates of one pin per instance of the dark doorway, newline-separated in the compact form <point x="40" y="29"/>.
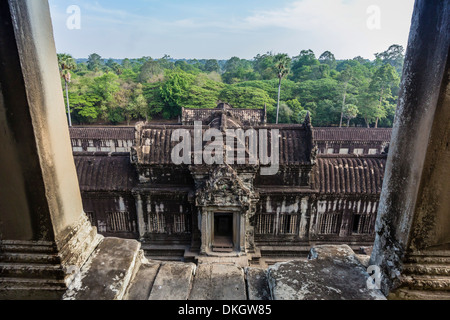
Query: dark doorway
<point x="223" y="232"/>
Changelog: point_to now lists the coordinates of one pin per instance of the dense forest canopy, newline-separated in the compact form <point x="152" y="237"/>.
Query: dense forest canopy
<point x="356" y="92"/>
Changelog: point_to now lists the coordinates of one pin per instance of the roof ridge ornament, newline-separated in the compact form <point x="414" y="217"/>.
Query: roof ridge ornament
<point x="307" y="119"/>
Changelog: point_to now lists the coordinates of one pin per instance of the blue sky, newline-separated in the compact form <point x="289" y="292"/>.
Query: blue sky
<point x="206" y="29"/>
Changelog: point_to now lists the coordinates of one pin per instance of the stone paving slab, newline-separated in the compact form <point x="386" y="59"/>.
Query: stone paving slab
<point x="142" y="283"/>
<point x="218" y="282"/>
<point x="334" y="273"/>
<point x="257" y="284"/>
<point x="173" y="282"/>
<point x="107" y="273"/>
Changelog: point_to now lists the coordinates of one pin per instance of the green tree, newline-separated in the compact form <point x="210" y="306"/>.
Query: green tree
<point x="95" y="62"/>
<point x="237" y="70"/>
<point x="296" y="108"/>
<point x="84" y="100"/>
<point x="286" y="115"/>
<point x="183" y="65"/>
<point x="126" y="63"/>
<point x="248" y="97"/>
<point x="150" y="70"/>
<point x="166" y="62"/>
<point x="264" y="65"/>
<point x="174" y="91"/>
<point x="106" y="86"/>
<point x="393" y="56"/>
<point x="139" y="104"/>
<point x="120" y="107"/>
<point x="322" y="98"/>
<point x="289" y="91"/>
<point x="368" y="108"/>
<point x="346" y="76"/>
<point x="212" y="65"/>
<point x="304" y="65"/>
<point x="350" y="112"/>
<point x="281" y="63"/>
<point x="383" y="80"/>
<point x="203" y="92"/>
<point x="152" y="94"/>
<point x="66" y="63"/>
<point x="117" y="68"/>
<point x="329" y="59"/>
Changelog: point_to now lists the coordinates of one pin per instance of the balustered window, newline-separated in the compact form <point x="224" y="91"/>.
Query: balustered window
<point x="119" y="222"/>
<point x="167" y="223"/>
<point x="265" y="223"/>
<point x="288" y="224"/>
<point x="363" y="223"/>
<point x="329" y="223"/>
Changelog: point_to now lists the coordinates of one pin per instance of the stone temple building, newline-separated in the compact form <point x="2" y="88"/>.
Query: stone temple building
<point x="131" y="187"/>
<point x="50" y="250"/>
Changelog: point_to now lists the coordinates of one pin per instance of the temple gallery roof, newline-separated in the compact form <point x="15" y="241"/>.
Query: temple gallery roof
<point x="333" y="174"/>
<point x="102" y="133"/>
<point x="349" y="174"/>
<point x="352" y="134"/>
<point x="320" y="134"/>
<point x="248" y="117"/>
<point x="105" y="172"/>
<point x="155" y="145"/>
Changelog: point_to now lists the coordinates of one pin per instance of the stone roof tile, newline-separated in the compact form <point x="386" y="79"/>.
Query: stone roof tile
<point x="346" y="174"/>
<point x="352" y="134"/>
<point x="102" y="133"/>
<point x="105" y="172"/>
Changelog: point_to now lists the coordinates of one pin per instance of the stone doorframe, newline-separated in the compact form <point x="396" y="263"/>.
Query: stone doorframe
<point x="207" y="229"/>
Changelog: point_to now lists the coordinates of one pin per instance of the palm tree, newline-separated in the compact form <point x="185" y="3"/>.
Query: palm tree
<point x="66" y="63"/>
<point x="282" y="63"/>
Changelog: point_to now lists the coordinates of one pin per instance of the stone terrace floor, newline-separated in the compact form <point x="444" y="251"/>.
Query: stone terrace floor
<point x="118" y="271"/>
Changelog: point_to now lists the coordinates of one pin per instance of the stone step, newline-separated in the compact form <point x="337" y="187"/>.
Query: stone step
<point x="31" y="271"/>
<point x="406" y="294"/>
<point x="108" y="271"/>
<point x="26" y="289"/>
<point x="39" y="258"/>
<point x="28" y="247"/>
<point x="427" y="269"/>
<point x="141" y="284"/>
<point x="240" y="261"/>
<point x="173" y="281"/>
<point x="16" y="283"/>
<point x="167" y="253"/>
<point x="429" y="260"/>
<point x="164" y="258"/>
<point x="218" y="282"/>
<point x="427" y="282"/>
<point x="222" y="249"/>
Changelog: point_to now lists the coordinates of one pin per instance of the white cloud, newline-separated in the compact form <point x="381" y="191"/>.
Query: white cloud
<point x="336" y="25"/>
<point x="306" y="15"/>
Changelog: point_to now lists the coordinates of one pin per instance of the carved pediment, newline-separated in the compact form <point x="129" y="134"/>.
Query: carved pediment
<point x="224" y="188"/>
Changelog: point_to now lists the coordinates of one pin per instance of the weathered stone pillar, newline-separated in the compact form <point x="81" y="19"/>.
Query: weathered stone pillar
<point x="242" y="233"/>
<point x="204" y="231"/>
<point x="412" y="244"/>
<point x="140" y="215"/>
<point x="43" y="231"/>
<point x="305" y="212"/>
